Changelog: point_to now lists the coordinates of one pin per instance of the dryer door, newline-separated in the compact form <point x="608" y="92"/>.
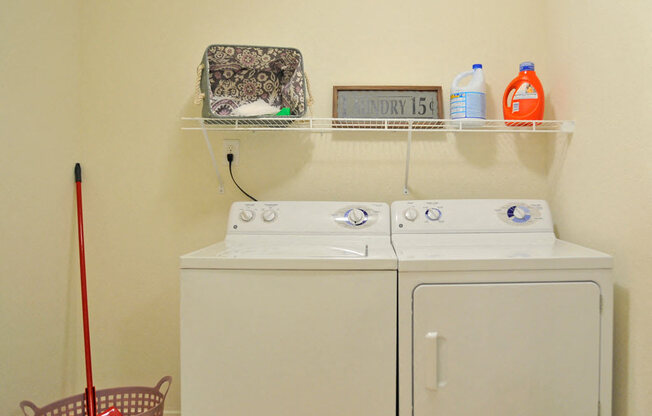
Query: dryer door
<point x="506" y="349"/>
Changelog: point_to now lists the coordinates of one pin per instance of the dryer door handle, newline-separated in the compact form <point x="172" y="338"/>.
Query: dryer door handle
<point x="432" y="356"/>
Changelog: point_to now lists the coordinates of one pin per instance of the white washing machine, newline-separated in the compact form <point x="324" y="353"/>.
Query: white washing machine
<point x="496" y="315"/>
<point x="293" y="314"/>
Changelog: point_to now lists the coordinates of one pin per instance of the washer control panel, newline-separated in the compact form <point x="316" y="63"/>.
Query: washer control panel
<point x="304" y="217"/>
<point x="470" y="215"/>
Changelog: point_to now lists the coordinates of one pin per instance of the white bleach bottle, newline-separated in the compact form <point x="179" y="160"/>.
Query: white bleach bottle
<point x="468" y="102"/>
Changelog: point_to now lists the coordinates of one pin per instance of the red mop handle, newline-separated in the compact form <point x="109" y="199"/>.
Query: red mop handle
<point x="90" y="389"/>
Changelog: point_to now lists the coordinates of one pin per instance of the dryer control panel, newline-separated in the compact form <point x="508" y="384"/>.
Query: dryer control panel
<point x="307" y="217"/>
<point x="471" y="216"/>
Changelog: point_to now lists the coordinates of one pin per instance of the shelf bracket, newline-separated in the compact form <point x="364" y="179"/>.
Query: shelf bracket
<point x="322" y="125"/>
<point x="407" y="158"/>
<point x="220" y="188"/>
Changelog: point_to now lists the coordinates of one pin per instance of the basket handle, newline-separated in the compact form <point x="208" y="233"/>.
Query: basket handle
<point x="166" y="379"/>
<point x="28" y="404"/>
<point x="310" y="99"/>
<point x="199" y="96"/>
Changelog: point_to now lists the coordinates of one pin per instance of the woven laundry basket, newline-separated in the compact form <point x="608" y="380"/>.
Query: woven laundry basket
<point x="231" y="76"/>
<point x="131" y="401"/>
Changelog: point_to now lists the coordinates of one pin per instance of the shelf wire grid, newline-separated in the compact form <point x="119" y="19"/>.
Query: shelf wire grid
<point x="348" y="124"/>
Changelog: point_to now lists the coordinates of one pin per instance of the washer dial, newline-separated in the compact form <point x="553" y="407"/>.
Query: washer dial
<point x="246" y="215"/>
<point x="357" y="216"/>
<point x="269" y="215"/>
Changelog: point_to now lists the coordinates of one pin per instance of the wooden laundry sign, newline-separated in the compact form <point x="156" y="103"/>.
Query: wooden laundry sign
<point x="387" y="102"/>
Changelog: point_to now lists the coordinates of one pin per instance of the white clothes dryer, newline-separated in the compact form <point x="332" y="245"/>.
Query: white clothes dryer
<point x="496" y="315"/>
<point x="293" y="314"/>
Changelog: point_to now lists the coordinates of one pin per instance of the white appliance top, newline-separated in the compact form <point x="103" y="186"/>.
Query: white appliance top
<point x="483" y="234"/>
<point x="301" y="235"/>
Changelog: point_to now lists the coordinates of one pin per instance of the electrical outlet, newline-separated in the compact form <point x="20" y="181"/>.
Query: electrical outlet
<point x="232" y="146"/>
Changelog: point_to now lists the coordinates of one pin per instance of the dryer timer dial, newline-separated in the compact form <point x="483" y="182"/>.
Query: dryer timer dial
<point x="519" y="213"/>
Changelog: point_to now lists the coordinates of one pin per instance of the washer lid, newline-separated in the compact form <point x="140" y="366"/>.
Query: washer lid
<point x="498" y="255"/>
<point x="295" y="252"/>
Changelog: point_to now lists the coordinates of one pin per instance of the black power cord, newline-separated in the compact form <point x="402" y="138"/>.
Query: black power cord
<point x="229" y="158"/>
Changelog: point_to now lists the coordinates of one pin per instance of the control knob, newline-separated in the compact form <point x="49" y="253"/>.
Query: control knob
<point x="519" y="213"/>
<point x="246" y="215"/>
<point x="269" y="215"/>
<point x="411" y="214"/>
<point x="433" y="214"/>
<point x="356" y="216"/>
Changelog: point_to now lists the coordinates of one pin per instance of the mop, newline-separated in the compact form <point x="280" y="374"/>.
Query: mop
<point x="91" y="409"/>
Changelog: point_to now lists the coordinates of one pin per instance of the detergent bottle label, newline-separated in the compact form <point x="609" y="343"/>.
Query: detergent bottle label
<point x="526" y="92"/>
<point x="468" y="105"/>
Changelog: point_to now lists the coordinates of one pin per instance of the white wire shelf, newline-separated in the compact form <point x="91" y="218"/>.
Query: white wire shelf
<point x="281" y="124"/>
<point x="364" y="124"/>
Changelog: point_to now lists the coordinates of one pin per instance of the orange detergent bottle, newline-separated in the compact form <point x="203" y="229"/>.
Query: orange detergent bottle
<point x="527" y="100"/>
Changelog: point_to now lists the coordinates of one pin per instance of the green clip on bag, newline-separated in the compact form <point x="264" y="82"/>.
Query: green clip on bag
<point x="251" y="81"/>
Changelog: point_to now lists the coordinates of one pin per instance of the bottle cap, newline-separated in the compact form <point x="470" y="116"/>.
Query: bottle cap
<point x="526" y="66"/>
<point x="477" y="66"/>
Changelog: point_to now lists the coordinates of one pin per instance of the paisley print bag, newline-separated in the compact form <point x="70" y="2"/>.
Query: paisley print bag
<point x="231" y="76"/>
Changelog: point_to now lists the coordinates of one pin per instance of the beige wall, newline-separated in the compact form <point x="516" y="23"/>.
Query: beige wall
<point x="600" y="56"/>
<point x="40" y="142"/>
<point x="150" y="192"/>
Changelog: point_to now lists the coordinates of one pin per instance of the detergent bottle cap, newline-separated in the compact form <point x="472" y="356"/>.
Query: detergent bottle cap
<point x="477" y="66"/>
<point x="526" y="66"/>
